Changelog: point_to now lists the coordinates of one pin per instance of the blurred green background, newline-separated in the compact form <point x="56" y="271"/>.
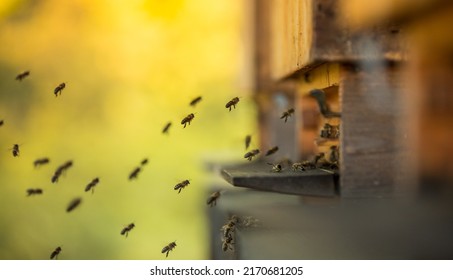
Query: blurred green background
<point x="130" y="66"/>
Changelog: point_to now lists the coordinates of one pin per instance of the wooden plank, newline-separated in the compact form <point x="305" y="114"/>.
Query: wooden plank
<point x="372" y="155"/>
<point x="260" y="176"/>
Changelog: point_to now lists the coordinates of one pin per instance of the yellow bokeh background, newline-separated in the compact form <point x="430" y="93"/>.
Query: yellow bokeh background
<point x="130" y="66"/>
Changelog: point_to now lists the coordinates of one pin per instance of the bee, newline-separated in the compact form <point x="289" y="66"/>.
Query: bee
<point x="181" y="185"/>
<point x="227" y="243"/>
<point x="126" y="229"/>
<point x="15" y="150"/>
<point x="92" y="184"/>
<point x="251" y="154"/>
<point x="271" y="151"/>
<point x="195" y="101"/>
<point x="166" y="128"/>
<point x="330" y="131"/>
<point x="59" y="89"/>
<point x="212" y="200"/>
<point x="287" y="114"/>
<point x="33" y="191"/>
<point x="320" y="159"/>
<point x="230" y="226"/>
<point x="168" y="248"/>
<point x="276" y="167"/>
<point x="248" y="140"/>
<point x="232" y="103"/>
<point x="41" y="161"/>
<point x="144" y="162"/>
<point x="22" y="75"/>
<point x="55" y="253"/>
<point x="62" y="168"/>
<point x="2" y="122"/>
<point x="134" y="173"/>
<point x="303" y="166"/>
<point x="187" y="119"/>
<point x="334" y="155"/>
<point x="73" y="204"/>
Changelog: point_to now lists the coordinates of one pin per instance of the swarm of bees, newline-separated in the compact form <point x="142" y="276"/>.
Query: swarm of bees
<point x="125" y="231"/>
<point x="178" y="187"/>
<point x="228" y="232"/>
<point x="168" y="248"/>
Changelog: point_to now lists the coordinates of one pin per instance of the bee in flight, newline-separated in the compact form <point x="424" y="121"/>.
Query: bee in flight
<point x="166" y="128"/>
<point x="195" y="101"/>
<point x="187" y="119"/>
<point x="168" y="248"/>
<point x="41" y="161"/>
<point x="59" y="89"/>
<point x="22" y="75"/>
<point x="232" y="103"/>
<point x="73" y="204"/>
<point x="271" y="151"/>
<point x="134" y="173"/>
<point x="16" y="151"/>
<point x="212" y="200"/>
<point x="248" y="140"/>
<point x="182" y="185"/>
<point x="2" y="122"/>
<point x="127" y="229"/>
<point x="62" y="168"/>
<point x="34" y="192"/>
<point x="251" y="154"/>
<point x="92" y="184"/>
<point x="230" y="226"/>
<point x="55" y="253"/>
<point x="287" y="114"/>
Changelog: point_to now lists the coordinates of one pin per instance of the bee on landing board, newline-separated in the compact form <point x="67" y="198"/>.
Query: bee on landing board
<point x="182" y="185"/>
<point x="73" y="204"/>
<point x="57" y="91"/>
<point x="212" y="200"/>
<point x="2" y="122"/>
<point x="187" y="120"/>
<point x="195" y="101"/>
<point x="134" y="173"/>
<point x="22" y="75"/>
<point x="168" y="248"/>
<point x="125" y="231"/>
<point x="55" y="253"/>
<point x="251" y="154"/>
<point x="287" y="114"/>
<point x="166" y="128"/>
<point x="276" y="167"/>
<point x="34" y="192"/>
<point x="92" y="184"/>
<point x="232" y="103"/>
<point x="41" y="161"/>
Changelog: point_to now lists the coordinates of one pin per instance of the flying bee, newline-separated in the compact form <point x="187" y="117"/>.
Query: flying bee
<point x="187" y="119"/>
<point x="34" y="192"/>
<point x="275" y="167"/>
<point x="212" y="200"/>
<point x="248" y="140"/>
<point x="251" y="154"/>
<point x="60" y="170"/>
<point x="2" y="122"/>
<point x="168" y="248"/>
<point x="287" y="114"/>
<point x="55" y="253"/>
<point x="144" y="162"/>
<point x="41" y="161"/>
<point x="334" y="155"/>
<point x="73" y="204"/>
<point x="59" y="89"/>
<point x="232" y="103"/>
<point x="227" y="243"/>
<point x="22" y="75"/>
<point x="134" y="173"/>
<point x="92" y="184"/>
<point x="166" y="128"/>
<point x="181" y="185"/>
<point x="195" y="101"/>
<point x="127" y="229"/>
<point x="271" y="151"/>
<point x="15" y="150"/>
